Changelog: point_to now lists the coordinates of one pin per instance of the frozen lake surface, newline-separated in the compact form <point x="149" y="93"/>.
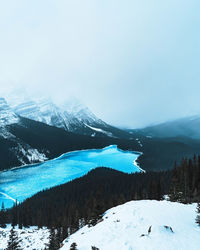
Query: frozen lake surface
<point x="21" y="183"/>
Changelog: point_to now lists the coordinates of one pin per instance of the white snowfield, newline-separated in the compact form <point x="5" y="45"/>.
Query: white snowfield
<point x="30" y="238"/>
<point x="126" y="227"/>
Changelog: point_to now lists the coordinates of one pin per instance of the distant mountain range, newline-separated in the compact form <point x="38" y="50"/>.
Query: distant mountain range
<point x="184" y="127"/>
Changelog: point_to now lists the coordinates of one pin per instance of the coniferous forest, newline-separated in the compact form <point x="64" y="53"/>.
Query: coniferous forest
<point x="84" y="200"/>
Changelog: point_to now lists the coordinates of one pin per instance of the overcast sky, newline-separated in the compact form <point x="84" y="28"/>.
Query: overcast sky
<point x="133" y="62"/>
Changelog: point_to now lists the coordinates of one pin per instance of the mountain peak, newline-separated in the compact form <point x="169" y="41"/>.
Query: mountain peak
<point x="7" y="116"/>
<point x="79" y="110"/>
<point x="71" y="116"/>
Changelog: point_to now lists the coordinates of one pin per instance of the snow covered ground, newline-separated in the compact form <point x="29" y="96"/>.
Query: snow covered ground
<point x="31" y="238"/>
<point x="172" y="227"/>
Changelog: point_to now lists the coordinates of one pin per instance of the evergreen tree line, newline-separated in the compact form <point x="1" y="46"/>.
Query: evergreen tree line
<point x="70" y="206"/>
<point x="185" y="182"/>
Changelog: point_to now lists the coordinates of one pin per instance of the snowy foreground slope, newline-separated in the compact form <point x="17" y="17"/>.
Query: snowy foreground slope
<point x="30" y="238"/>
<point x="122" y="227"/>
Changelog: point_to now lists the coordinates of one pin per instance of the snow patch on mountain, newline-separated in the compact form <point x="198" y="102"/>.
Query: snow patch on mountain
<point x="142" y="225"/>
<point x="99" y="130"/>
<point x="6" y="134"/>
<point x="33" y="155"/>
<point x="26" y="154"/>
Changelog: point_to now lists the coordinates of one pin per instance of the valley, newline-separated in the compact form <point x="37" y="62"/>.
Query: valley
<point x="64" y="160"/>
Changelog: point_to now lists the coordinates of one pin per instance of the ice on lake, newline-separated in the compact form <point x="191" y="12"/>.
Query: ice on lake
<point x="21" y="183"/>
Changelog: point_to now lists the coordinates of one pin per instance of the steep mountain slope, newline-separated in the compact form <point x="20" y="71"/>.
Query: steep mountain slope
<point x="14" y="150"/>
<point x="43" y="110"/>
<point x="29" y="141"/>
<point x="141" y="225"/>
<point x="185" y="127"/>
<point x="72" y="116"/>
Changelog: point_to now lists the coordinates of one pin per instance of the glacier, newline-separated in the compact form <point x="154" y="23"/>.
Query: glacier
<point x="20" y="183"/>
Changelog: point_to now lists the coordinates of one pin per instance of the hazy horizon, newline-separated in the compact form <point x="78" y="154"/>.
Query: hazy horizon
<point x="133" y="63"/>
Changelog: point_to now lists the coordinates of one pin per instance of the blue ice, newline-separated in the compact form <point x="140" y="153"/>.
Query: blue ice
<point x="21" y="183"/>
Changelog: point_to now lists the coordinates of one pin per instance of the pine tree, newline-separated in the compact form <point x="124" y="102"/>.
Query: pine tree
<point x="198" y="214"/>
<point x="158" y="191"/>
<point x="2" y="217"/>
<point x="15" y="214"/>
<point x="73" y="246"/>
<point x="176" y="191"/>
<point x="54" y="241"/>
<point x="13" y="242"/>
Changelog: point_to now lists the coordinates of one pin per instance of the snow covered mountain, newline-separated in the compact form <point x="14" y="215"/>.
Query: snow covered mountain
<point x="141" y="225"/>
<point x="7" y="116"/>
<point x="82" y="113"/>
<point x="42" y="110"/>
<point x="11" y="145"/>
<point x="184" y="127"/>
<point x="72" y="116"/>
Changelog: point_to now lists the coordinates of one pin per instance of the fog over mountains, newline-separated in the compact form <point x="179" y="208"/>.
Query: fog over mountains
<point x="183" y="127"/>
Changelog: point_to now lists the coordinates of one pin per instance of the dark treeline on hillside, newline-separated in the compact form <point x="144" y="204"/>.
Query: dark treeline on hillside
<point x="185" y="183"/>
<point x="158" y="153"/>
<point x="82" y="201"/>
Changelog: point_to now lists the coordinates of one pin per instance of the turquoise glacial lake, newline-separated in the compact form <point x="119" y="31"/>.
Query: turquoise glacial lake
<point x="20" y="183"/>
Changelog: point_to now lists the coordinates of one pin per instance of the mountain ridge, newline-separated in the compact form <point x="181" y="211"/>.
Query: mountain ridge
<point x="182" y="127"/>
